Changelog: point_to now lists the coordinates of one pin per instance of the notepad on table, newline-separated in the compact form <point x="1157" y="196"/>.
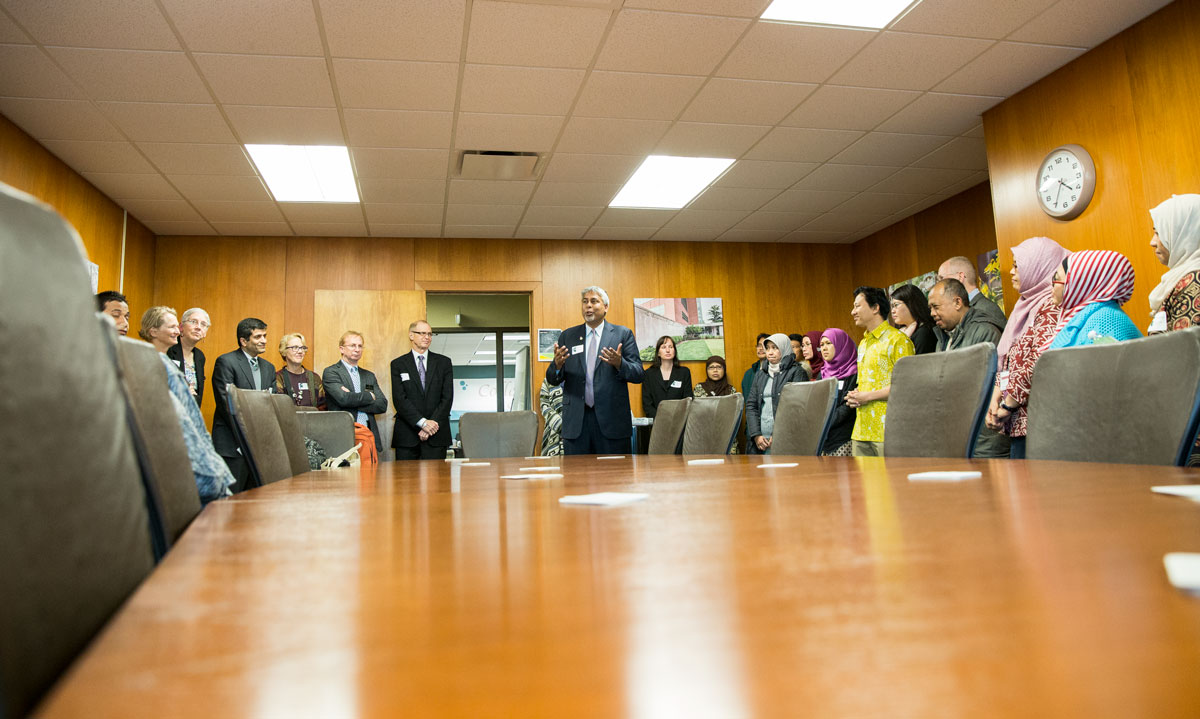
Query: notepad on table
<point x="603" y="499"/>
<point x="1191" y="491"/>
<point x="945" y="476"/>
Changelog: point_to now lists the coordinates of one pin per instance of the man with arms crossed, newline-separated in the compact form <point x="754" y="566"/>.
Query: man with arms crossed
<point x="244" y="368"/>
<point x="422" y="390"/>
<point x="595" y="362"/>
<point x="350" y="388"/>
<point x="881" y="347"/>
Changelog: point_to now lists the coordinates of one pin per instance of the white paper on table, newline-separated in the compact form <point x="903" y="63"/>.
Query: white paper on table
<point x="1191" y="491"/>
<point x="536" y="475"/>
<point x="538" y="469"/>
<point x="614" y="456"/>
<point x="771" y="465"/>
<point x="457" y="460"/>
<point x="603" y="499"/>
<point x="476" y="464"/>
<point x="706" y="461"/>
<point x="550" y="457"/>
<point x="1183" y="569"/>
<point x="945" y="476"/>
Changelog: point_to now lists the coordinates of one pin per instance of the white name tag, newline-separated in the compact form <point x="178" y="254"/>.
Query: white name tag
<point x="1160" y="322"/>
<point x="403" y="376"/>
<point x="1004" y="380"/>
<point x="841" y="384"/>
<point x="303" y="386"/>
<point x="178" y="363"/>
<point x="677" y="384"/>
<point x="577" y="349"/>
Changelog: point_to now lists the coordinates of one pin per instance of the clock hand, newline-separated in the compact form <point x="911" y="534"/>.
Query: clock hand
<point x="1059" y="193"/>
<point x="1048" y="184"/>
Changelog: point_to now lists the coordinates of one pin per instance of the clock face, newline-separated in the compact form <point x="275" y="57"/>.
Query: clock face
<point x="1065" y="182"/>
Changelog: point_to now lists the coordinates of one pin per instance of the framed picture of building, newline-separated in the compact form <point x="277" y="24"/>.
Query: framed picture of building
<point x="697" y="324"/>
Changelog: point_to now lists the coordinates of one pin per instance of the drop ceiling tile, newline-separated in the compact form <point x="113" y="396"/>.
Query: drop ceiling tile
<point x="253" y="229"/>
<point x="575" y="193"/>
<point x="1084" y="23"/>
<point x="802" y="145"/>
<point x="611" y="136"/>
<point x="132" y="24"/>
<point x="840" y="222"/>
<point x="940" y="114"/>
<point x="395" y="29"/>
<point x="330" y="229"/>
<point x="386" y="191"/>
<point x="552" y="36"/>
<point x="877" y="203"/>
<point x="686" y="234"/>
<point x="391" y="163"/>
<point x="812" y="237"/>
<point x="889" y="149"/>
<point x="620" y="217"/>
<point x="799" y="200"/>
<point x="404" y="214"/>
<point x="854" y="178"/>
<point x="321" y="211"/>
<point x="642" y="41"/>
<point x="963" y="153"/>
<point x="970" y="18"/>
<point x="483" y="214"/>
<point x="732" y="198"/>
<point x="59" y="119"/>
<point x="734" y="8"/>
<point x="976" y="131"/>
<point x="567" y="167"/>
<point x="9" y="32"/>
<point x="636" y="95"/>
<point x="620" y="233"/>
<point x="553" y="232"/>
<point x="396" y="84"/>
<point x="156" y="210"/>
<point x="834" y="107"/>
<point x="262" y="27"/>
<point x="398" y="128"/>
<point x="719" y="220"/>
<point x="198" y="159"/>
<point x="1007" y="68"/>
<point x="239" y="211"/>
<point x="920" y="180"/>
<point x="181" y="228"/>
<point x="29" y="73"/>
<point x="154" y="122"/>
<point x="515" y="133"/>
<point x="903" y="61"/>
<point x="740" y="235"/>
<point x="126" y="186"/>
<point x="490" y="192"/>
<point x="94" y="156"/>
<point x="481" y="231"/>
<point x="750" y="102"/>
<point x="286" y="125"/>
<point x="793" y="53"/>
<point x="220" y="188"/>
<point x="519" y="90"/>
<point x="132" y="75"/>
<point x="775" y="221"/>
<point x="267" y="80"/>
<point x="764" y="174"/>
<point x="393" y="230"/>
<point x="561" y="216"/>
<point x="966" y="183"/>
<point x="697" y="139"/>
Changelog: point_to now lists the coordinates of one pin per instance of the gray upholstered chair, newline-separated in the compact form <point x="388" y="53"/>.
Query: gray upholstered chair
<point x="803" y="416"/>
<point x="1132" y="402"/>
<point x="938" y="402"/>
<point x="712" y="424"/>
<point x="667" y="431"/>
<point x="293" y="437"/>
<point x="498" y="434"/>
<point x="334" y="431"/>
<point x="165" y="460"/>
<point x="75" y="537"/>
<point x="262" y="440"/>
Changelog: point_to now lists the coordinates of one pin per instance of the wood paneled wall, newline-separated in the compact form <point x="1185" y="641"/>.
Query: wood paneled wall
<point x="1131" y="102"/>
<point x="29" y="167"/>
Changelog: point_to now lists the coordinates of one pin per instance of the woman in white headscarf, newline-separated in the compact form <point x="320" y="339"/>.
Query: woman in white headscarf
<point x="1176" y="244"/>
<point x="779" y="368"/>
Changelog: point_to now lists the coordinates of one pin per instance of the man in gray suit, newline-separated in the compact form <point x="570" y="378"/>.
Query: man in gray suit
<point x="350" y="388"/>
<point x="244" y="368"/>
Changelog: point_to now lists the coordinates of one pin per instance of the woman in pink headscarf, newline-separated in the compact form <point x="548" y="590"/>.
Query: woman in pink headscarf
<point x="1031" y="327"/>
<point x="840" y="356"/>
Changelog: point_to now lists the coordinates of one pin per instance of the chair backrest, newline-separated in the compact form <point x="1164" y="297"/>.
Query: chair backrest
<point x="938" y="401"/>
<point x="1132" y="402"/>
<point x="169" y="469"/>
<point x="293" y="436"/>
<point x="266" y="453"/>
<point x="803" y="416"/>
<point x="498" y="434"/>
<point x="74" y="524"/>
<point x="712" y="424"/>
<point x="666" y="435"/>
<point x="334" y="431"/>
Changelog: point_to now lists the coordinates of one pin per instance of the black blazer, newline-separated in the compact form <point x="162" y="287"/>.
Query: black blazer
<point x="337" y="376"/>
<point x="413" y="403"/>
<point x="233" y="368"/>
<point x="924" y="340"/>
<point x="655" y="390"/>
<point x="175" y="354"/>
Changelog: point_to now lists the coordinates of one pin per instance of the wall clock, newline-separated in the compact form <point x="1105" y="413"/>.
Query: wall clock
<point x="1065" y="182"/>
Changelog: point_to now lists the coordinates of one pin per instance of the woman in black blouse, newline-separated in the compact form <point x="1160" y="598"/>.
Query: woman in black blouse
<point x="665" y="378"/>
<point x="910" y="315"/>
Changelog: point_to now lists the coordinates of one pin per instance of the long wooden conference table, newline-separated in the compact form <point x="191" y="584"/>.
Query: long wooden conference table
<point x="836" y="588"/>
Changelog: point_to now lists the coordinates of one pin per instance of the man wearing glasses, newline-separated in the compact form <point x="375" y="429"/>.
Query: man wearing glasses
<point x="422" y="390"/>
<point x="350" y="388"/>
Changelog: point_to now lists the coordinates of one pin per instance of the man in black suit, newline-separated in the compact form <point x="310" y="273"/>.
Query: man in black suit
<point x="245" y="369"/>
<point x="350" y="388"/>
<point x="595" y="362"/>
<point x="422" y="390"/>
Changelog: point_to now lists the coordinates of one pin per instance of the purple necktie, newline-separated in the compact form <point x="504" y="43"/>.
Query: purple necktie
<point x="589" y="397"/>
<point x="421" y="369"/>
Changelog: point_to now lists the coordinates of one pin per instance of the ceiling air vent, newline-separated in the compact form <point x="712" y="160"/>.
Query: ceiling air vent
<point x="498" y="165"/>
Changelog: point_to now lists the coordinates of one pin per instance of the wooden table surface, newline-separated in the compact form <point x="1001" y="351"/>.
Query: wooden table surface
<point x="838" y="588"/>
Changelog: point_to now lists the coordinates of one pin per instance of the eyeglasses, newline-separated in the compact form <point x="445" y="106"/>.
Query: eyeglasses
<point x="197" y="323"/>
<point x="302" y="349"/>
<point x="425" y="334"/>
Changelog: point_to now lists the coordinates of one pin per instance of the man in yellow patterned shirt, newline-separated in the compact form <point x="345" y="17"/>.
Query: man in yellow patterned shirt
<point x="881" y="347"/>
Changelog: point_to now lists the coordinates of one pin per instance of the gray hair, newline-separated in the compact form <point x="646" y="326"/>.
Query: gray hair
<point x="194" y="311"/>
<point x="598" y="290"/>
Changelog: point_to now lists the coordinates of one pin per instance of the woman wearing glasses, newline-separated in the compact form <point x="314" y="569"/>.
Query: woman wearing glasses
<point x="193" y="327"/>
<point x="293" y="379"/>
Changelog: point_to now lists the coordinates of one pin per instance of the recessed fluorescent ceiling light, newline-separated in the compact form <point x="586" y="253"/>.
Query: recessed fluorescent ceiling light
<point x="669" y="182"/>
<point x="848" y="13"/>
<point x="306" y="173"/>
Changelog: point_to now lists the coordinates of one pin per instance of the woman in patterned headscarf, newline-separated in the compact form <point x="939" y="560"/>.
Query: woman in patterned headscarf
<point x="1176" y="243"/>
<point x="1089" y="288"/>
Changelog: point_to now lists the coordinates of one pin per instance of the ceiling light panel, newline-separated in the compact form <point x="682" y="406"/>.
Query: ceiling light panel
<point x="306" y="173"/>
<point x="851" y="13"/>
<point x="666" y="182"/>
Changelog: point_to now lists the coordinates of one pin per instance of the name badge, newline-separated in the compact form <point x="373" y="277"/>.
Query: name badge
<point x="178" y="363"/>
<point x="303" y="386"/>
<point x="403" y="376"/>
<point x="841" y="385"/>
<point x="677" y="384"/>
<point x="1004" y="380"/>
<point x="1159" y="324"/>
<point x="577" y="350"/>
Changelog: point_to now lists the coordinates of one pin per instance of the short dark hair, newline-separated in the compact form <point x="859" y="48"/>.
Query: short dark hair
<point x="953" y="288"/>
<point x="103" y="298"/>
<point x="796" y="337"/>
<point x="247" y="327"/>
<point x="874" y="297"/>
<point x="761" y="336"/>
<point x="916" y="302"/>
